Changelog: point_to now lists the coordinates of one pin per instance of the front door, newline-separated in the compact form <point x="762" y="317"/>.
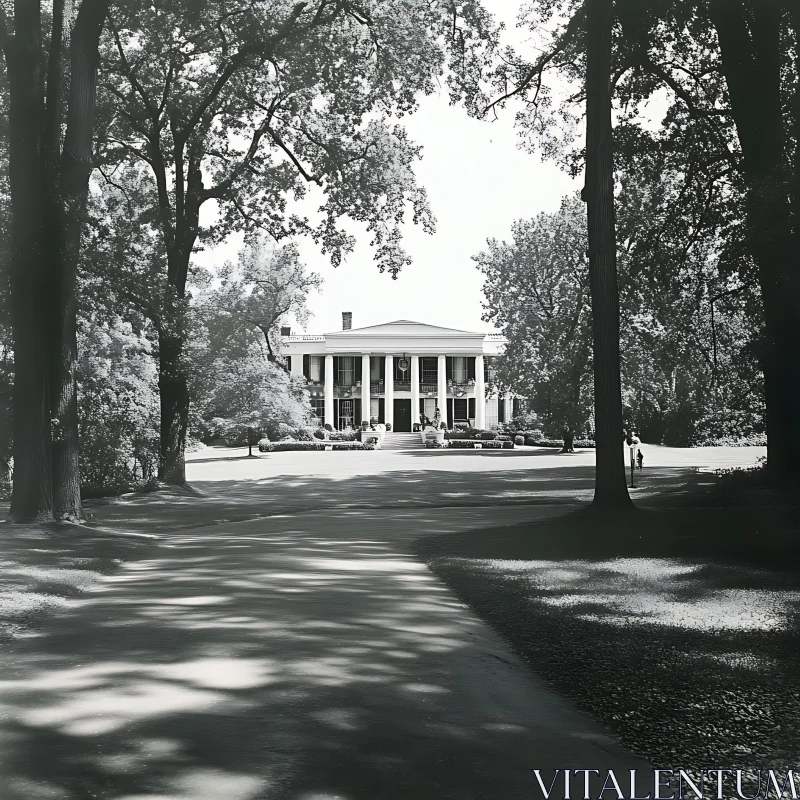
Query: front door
<point x="402" y="416"/>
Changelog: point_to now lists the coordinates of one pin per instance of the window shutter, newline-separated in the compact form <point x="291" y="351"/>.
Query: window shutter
<point x="419" y="365"/>
<point x="471" y="368"/>
<point x="471" y="408"/>
<point x="381" y="409"/>
<point x="383" y="371"/>
<point x="357" y="420"/>
<point x="335" y="369"/>
<point x="515" y="406"/>
<point x="449" y="367"/>
<point x="322" y="360"/>
<point x="450" y="412"/>
<point x="501" y="409"/>
<point x="306" y="366"/>
<point x="288" y="363"/>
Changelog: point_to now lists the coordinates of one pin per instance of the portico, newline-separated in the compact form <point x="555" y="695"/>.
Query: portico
<point x="396" y="372"/>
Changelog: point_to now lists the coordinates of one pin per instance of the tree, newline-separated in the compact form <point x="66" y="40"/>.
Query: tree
<point x="49" y="186"/>
<point x="238" y="108"/>
<point x="610" y="486"/>
<point x="268" y="286"/>
<point x="537" y="291"/>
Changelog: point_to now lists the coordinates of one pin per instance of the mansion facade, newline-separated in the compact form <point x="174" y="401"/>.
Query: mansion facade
<point x="396" y="372"/>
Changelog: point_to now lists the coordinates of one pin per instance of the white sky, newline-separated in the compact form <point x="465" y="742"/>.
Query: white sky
<point x="478" y="183"/>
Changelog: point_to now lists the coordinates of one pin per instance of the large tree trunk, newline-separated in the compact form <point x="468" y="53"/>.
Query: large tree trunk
<point x="31" y="286"/>
<point x="173" y="386"/>
<point x="73" y="188"/>
<point x="750" y="43"/>
<point x="610" y="486"/>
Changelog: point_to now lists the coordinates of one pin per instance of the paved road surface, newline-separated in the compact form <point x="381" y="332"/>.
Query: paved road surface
<point x="307" y="656"/>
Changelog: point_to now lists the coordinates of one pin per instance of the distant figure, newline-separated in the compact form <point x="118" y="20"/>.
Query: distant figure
<point x="640" y="458"/>
<point x="632" y="440"/>
<point x="569" y="440"/>
<point x="437" y="418"/>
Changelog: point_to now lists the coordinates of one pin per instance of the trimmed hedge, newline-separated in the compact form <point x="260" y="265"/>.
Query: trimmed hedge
<point x="583" y="443"/>
<point x="265" y="446"/>
<point x="469" y="444"/>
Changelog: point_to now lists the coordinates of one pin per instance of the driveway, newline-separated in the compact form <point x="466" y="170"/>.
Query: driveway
<point x="304" y="656"/>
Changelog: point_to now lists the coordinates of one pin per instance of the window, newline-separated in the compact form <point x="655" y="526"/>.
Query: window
<point x="316" y="369"/>
<point x="374" y="408"/>
<point x="491" y="412"/>
<point x="460" y="410"/>
<point x="430" y="369"/>
<point x="346" y="376"/>
<point x="489" y="369"/>
<point x="375" y="368"/>
<point x="318" y="408"/>
<point x="345" y="413"/>
<point x="459" y="369"/>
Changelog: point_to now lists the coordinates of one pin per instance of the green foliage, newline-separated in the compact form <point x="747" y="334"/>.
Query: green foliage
<point x="676" y="368"/>
<point x="117" y="407"/>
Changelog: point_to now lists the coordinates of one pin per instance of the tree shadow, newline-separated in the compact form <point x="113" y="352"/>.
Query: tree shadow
<point x="300" y="660"/>
<point x="687" y="618"/>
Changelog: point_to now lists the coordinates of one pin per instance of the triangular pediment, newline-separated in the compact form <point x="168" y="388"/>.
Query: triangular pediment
<point x="404" y="327"/>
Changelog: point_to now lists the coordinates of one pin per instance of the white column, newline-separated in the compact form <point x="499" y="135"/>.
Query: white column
<point x="388" y="392"/>
<point x="365" y="415"/>
<point x="441" y="379"/>
<point x="329" y="392"/>
<point x="297" y="365"/>
<point x="414" y="389"/>
<point x="480" y="394"/>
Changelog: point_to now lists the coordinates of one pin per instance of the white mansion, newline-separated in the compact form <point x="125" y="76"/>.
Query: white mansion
<point x="395" y="372"/>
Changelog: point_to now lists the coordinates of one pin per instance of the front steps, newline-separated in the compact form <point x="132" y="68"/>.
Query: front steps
<point x="402" y="441"/>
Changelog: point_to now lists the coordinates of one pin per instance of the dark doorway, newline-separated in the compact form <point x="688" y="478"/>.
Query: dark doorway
<point x="402" y="416"/>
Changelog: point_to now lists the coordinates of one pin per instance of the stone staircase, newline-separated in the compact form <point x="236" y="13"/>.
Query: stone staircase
<point x="402" y="441"/>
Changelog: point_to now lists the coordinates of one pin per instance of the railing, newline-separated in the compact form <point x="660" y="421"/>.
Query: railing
<point x="376" y="387"/>
<point x="346" y="391"/>
<point x="402" y="386"/>
<point x="304" y="338"/>
<point x="428" y="388"/>
<point x="460" y="389"/>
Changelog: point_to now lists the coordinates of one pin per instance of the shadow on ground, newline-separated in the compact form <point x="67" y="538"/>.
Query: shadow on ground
<point x="237" y="500"/>
<point x="678" y="629"/>
<point x="290" y="659"/>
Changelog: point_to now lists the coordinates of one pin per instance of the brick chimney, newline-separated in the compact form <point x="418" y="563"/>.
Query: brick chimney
<point x="286" y="331"/>
<point x="347" y="320"/>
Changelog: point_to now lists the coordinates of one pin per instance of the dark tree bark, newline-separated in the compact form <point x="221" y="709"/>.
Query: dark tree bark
<point x="32" y="296"/>
<point x="49" y="190"/>
<point x="610" y="486"/>
<point x="749" y="36"/>
<point x="75" y="166"/>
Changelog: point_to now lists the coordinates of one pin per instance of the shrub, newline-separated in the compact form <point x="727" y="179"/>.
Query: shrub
<point x="753" y="440"/>
<point x="328" y="426"/>
<point x="519" y="440"/>
<point x="287" y="445"/>
<point x="305" y="434"/>
<point x="342" y="436"/>
<point x="319" y="433"/>
<point x="388" y="427"/>
<point x="487" y="435"/>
